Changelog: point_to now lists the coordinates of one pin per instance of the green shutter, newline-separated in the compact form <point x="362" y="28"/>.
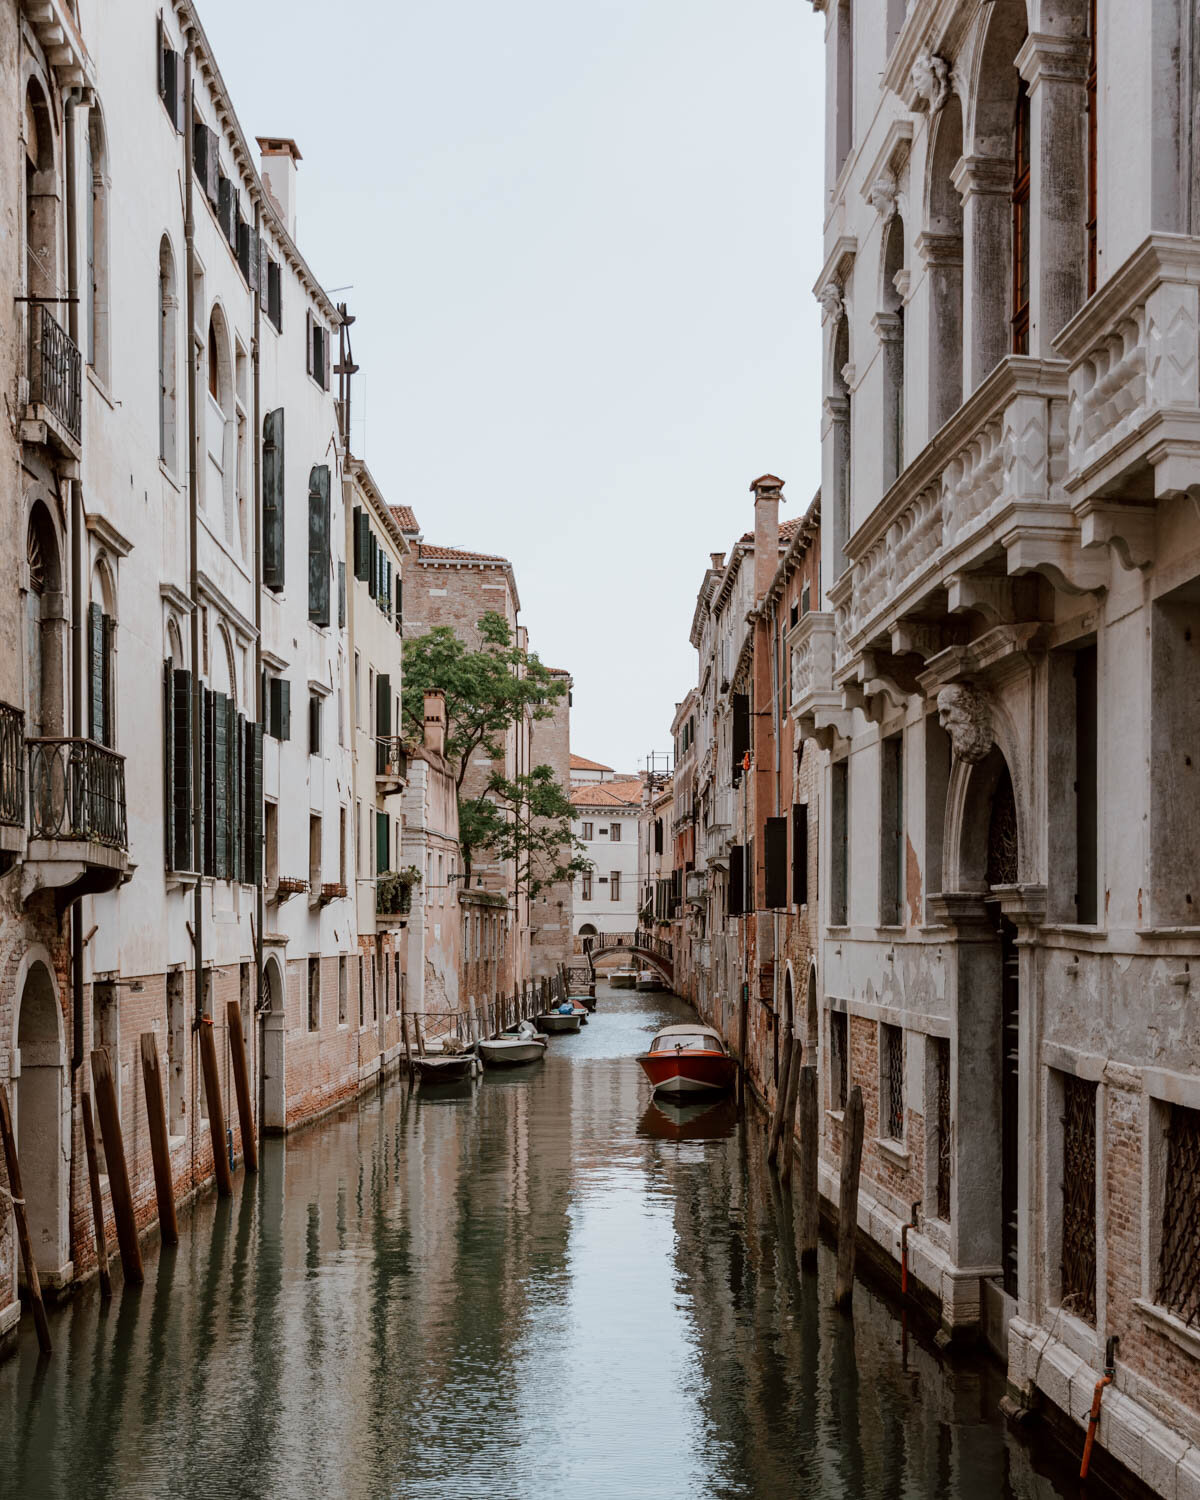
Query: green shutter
<point x="204" y="857"/>
<point x="318" y="545"/>
<point x="108" y="686"/>
<point x="272" y="500"/>
<point x="372" y="564"/>
<point x="168" y="757"/>
<point x="181" y="709"/>
<point x="381" y="842"/>
<point x="399" y="601"/>
<point x="285" y="708"/>
<point x="383" y="704"/>
<point x="254" y="817"/>
<point x="362" y="530"/>
<point x="341" y="594"/>
<point x="237" y="794"/>
<point x="220" y="760"/>
<point x="95" y="672"/>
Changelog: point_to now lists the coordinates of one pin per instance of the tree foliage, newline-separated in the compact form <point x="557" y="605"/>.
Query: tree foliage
<point x="526" y="821"/>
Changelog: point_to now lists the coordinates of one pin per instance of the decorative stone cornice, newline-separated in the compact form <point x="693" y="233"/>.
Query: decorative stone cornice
<point x="939" y="249"/>
<point x="1055" y="59"/>
<point x="837" y="267"/>
<point x="982" y="175"/>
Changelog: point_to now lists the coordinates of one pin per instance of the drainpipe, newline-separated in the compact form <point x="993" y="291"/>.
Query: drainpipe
<point x="189" y="237"/>
<point x="1110" y="1350"/>
<point x="77" y="577"/>
<point x="256" y="449"/>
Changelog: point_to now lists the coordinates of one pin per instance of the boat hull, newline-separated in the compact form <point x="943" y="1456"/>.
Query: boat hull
<point x="555" y="1024"/>
<point x="622" y="981"/>
<point x="685" y="1073"/>
<point x="511" y="1054"/>
<point x="444" y="1069"/>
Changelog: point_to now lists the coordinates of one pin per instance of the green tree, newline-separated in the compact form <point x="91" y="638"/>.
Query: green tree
<point x="527" y="821"/>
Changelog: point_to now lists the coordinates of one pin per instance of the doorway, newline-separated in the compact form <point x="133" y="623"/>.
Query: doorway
<point x="39" y="1123"/>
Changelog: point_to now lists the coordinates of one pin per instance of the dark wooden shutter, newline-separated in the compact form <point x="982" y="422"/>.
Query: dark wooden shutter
<point x="95" y="672"/>
<point x="254" y="820"/>
<point x="309" y="329"/>
<point x="168" y="743"/>
<point x="280" y="712"/>
<point x="208" y="853"/>
<point x="399" y="601"/>
<point x="800" y="853"/>
<point x="247" y="251"/>
<point x="108" y="681"/>
<point x="341" y="594"/>
<point x="176" y="70"/>
<point x="734" y="904"/>
<point x="775" y="857"/>
<point x="383" y="704"/>
<point x="360" y="529"/>
<point x="181" y="790"/>
<point x="237" y="792"/>
<point x="162" y="59"/>
<point x="318" y="545"/>
<point x="372" y="564"/>
<point x="212" y="167"/>
<point x="740" y="737"/>
<point x="220" y="762"/>
<point x="225" y="195"/>
<point x="272" y="500"/>
<point x="325" y="341"/>
<point x="381" y="842"/>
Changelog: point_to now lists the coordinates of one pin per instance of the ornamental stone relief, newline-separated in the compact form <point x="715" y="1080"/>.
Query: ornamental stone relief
<point x="965" y="713"/>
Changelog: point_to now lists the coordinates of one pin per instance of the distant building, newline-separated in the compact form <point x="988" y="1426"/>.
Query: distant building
<point x="608" y="820"/>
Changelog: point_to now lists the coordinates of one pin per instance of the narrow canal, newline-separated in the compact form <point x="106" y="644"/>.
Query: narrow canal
<point x="538" y="1286"/>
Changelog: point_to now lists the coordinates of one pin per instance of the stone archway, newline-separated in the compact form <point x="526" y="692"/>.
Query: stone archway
<point x="42" y="1120"/>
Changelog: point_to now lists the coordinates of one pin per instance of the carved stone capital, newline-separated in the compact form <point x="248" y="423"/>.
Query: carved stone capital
<point x="940" y="249"/>
<point x="982" y="176"/>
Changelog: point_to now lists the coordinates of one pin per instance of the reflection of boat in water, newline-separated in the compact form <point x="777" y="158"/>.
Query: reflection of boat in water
<point x="707" y="1119"/>
<point x="688" y="1059"/>
<point x="623" y="979"/>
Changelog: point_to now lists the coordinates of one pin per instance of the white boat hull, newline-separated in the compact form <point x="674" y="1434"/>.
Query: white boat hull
<point x="509" y="1052"/>
<point x="552" y="1022"/>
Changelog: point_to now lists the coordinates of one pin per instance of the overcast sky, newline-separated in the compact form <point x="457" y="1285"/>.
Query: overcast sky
<point x="580" y="241"/>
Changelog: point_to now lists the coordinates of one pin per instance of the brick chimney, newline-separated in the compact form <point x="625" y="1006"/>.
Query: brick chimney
<point x="279" y="159"/>
<point x="767" y="490"/>
<point x="717" y="559"/>
<point x="435" y="723"/>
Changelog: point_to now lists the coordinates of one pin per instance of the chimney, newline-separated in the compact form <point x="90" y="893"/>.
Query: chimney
<point x="767" y="492"/>
<point x="717" y="559"/>
<point x="435" y="723"/>
<point x="278" y="170"/>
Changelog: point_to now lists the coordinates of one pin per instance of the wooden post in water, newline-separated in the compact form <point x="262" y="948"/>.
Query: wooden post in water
<point x="420" y="1035"/>
<point x="788" y="1134"/>
<point x="407" y="1048"/>
<point x="216" y="1109"/>
<point x="241" y="1084"/>
<point x="16" y="1194"/>
<point x="93" y="1169"/>
<point x="160" y="1147"/>
<point x="114" y="1158"/>
<point x="852" y="1144"/>
<point x="809" y="1207"/>
<point x="781" y="1087"/>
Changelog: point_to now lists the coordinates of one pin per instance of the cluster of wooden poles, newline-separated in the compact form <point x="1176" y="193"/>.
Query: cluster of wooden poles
<point x="487" y="1020"/>
<point x="109" y="1116"/>
<point x="797" y="1095"/>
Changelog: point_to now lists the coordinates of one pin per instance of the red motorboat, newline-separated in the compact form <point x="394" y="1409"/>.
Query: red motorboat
<point x="688" y="1060"/>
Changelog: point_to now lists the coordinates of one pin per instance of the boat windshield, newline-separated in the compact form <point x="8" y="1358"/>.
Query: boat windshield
<point x="693" y="1043"/>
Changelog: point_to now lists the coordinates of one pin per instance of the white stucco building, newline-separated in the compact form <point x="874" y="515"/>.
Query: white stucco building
<point x="607" y="822"/>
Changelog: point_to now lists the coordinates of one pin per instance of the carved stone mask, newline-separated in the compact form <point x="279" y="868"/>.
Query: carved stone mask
<point x="965" y="714"/>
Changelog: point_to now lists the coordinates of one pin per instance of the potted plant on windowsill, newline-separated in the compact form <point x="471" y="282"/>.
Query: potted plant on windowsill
<point x="332" y="890"/>
<point x="287" y="886"/>
<point x="393" y="892"/>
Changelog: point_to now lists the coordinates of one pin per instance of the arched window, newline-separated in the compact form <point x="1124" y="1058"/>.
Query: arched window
<point x="220" y="426"/>
<point x="214" y="363"/>
<point x="96" y="287"/>
<point x="41" y="198"/>
<point x="1020" y="222"/>
<point x="168" y="310"/>
<point x="44" y="627"/>
<point x="890" y="325"/>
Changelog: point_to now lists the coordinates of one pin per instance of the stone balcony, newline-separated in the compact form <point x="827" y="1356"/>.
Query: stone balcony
<point x="1133" y="400"/>
<point x="78" y="841"/>
<point x="983" y="504"/>
<point x="816" y="701"/>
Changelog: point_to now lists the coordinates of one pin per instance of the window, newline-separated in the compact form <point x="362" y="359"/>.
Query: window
<point x="214" y="362"/>
<point x="740" y="741"/>
<point x="585" y="893"/>
<point x="102" y="632"/>
<point x="891" y="1082"/>
<point x="1079" y="1197"/>
<point x="271" y="835"/>
<point x="800" y="854"/>
<point x="839" y="814"/>
<point x="1178" y="1263"/>
<point x="314" y="853"/>
<point x="314" y="724"/>
<point x="342" y="991"/>
<point x="1092" y="95"/>
<point x="586" y="833"/>
<point x="168" y="310"/>
<point x="272" y="501"/>
<point x="314" y="994"/>
<point x="839" y="1059"/>
<point x="382" y="842"/>
<point x="1020" y="223"/>
<point x="614" y="885"/>
<point x="735" y="889"/>
<point x="279" y="708"/>
<point x="614" y="833"/>
<point x="891" y="830"/>
<point x="319" y="556"/>
<point x="170" y="79"/>
<point x="343" y="852"/>
<point x="96" y="285"/>
<point x="844" y="141"/>
<point x="317" y="362"/>
<point x="275" y="294"/>
<point x="941" y="1114"/>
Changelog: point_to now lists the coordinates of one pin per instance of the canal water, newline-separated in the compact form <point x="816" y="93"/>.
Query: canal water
<point x="537" y="1286"/>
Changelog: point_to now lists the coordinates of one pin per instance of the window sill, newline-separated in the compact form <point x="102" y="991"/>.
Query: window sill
<point x="1187" y="1339"/>
<point x="894" y="1151"/>
<point x="101" y="389"/>
<point x="166" y="473"/>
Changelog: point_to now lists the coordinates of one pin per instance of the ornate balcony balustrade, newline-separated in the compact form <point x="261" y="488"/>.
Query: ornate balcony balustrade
<point x="55" y="382"/>
<point x="12" y="766"/>
<point x="816" y="701"/>
<point x="78" y="837"/>
<point x="391" y="764"/>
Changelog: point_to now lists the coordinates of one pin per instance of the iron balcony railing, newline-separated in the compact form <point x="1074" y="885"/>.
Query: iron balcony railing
<point x="55" y="370"/>
<point x="391" y="758"/>
<point x="77" y="791"/>
<point x="12" y="765"/>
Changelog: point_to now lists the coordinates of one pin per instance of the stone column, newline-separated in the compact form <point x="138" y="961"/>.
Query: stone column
<point x="889" y="327"/>
<point x="1055" y="68"/>
<point x="838" y="409"/>
<point x="985" y="185"/>
<point x="943" y="258"/>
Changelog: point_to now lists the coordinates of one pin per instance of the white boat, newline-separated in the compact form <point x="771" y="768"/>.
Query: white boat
<point x="623" y="979"/>
<point x="520" y="1045"/>
<point x="554" y="1022"/>
<point x="648" y="979"/>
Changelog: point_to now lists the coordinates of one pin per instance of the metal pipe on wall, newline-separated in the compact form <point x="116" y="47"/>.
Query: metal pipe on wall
<point x="189" y="239"/>
<point x="77" y="573"/>
<point x="256" y="447"/>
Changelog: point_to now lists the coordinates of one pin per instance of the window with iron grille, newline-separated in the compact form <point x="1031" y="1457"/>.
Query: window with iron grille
<point x="941" y="1063"/>
<point x="839" y="1058"/>
<point x="314" y="994"/>
<point x="891" y="1063"/>
<point x="1079" y="1197"/>
<point x="1179" y="1257"/>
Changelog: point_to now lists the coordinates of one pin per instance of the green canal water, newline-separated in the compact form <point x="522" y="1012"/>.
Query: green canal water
<point x="536" y="1286"/>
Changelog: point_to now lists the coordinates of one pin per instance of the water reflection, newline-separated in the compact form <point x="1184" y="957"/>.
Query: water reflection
<point x="537" y="1285"/>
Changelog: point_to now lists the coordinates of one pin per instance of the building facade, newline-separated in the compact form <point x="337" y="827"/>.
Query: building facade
<point x="608" y="823"/>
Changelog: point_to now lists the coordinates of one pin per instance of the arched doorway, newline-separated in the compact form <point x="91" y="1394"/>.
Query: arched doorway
<point x="40" y="1125"/>
<point x="43" y="626"/>
<point x="273" y="1103"/>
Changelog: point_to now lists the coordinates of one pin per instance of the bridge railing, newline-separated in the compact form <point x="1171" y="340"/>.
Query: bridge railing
<point x="641" y="941"/>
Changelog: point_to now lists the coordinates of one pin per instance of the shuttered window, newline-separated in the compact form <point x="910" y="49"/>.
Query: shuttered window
<point x="382" y="840"/>
<point x="100" y="639"/>
<point x="362" y="530"/>
<point x="279" y="721"/>
<point x="736" y="892"/>
<point x="775" y="852"/>
<point x="275" y="294"/>
<point x="220" y="784"/>
<point x="204" y="159"/>
<point x="170" y="78"/>
<point x="800" y="853"/>
<point x="740" y="737"/>
<point x="177" y="766"/>
<point x="399" y="602"/>
<point x="252" y="820"/>
<point x="272" y="500"/>
<point x="341" y="572"/>
<point x="319" y="563"/>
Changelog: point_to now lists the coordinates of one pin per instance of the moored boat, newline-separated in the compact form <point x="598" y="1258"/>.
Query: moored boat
<point x="555" y="1022"/>
<point x="689" y="1059"/>
<point x="520" y="1044"/>
<point x="445" y="1068"/>
<point x="623" y="979"/>
<point x="649" y="979"/>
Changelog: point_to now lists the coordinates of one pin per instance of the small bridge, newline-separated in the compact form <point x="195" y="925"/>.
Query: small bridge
<point x="654" y="951"/>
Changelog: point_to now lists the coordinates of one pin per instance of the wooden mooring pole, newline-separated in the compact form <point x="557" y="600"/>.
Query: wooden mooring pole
<point x="216" y="1109"/>
<point x="852" y="1144"/>
<point x="114" y="1160"/>
<point x="241" y="1084"/>
<point x="781" y="1087"/>
<point x="93" y="1169"/>
<point x="16" y="1195"/>
<point x="788" y="1138"/>
<point x="809" y="1207"/>
<point x="407" y="1047"/>
<point x="160" y="1146"/>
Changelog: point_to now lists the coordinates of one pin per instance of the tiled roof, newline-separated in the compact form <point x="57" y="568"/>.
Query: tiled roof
<point x="406" y="518"/>
<point x="787" y="531"/>
<point x="426" y="553"/>
<point x="579" y="764"/>
<point x="626" y="793"/>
